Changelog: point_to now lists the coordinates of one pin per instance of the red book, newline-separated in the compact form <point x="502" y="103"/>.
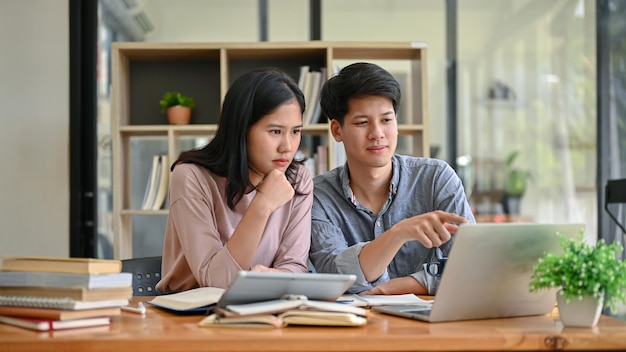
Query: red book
<point x="48" y="325"/>
<point x="57" y="314"/>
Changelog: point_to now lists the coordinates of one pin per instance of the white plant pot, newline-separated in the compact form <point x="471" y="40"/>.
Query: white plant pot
<point x="580" y="313"/>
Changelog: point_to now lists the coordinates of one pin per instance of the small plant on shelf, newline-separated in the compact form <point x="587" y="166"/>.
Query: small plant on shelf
<point x="583" y="269"/>
<point x="178" y="107"/>
<point x="175" y="98"/>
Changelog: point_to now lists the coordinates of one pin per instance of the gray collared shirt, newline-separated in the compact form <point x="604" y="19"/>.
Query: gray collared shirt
<point x="341" y="226"/>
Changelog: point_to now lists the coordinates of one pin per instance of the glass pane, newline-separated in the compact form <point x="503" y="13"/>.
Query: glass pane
<point x="148" y="231"/>
<point x="616" y="139"/>
<point x="104" y="246"/>
<point x="527" y="94"/>
<point x="617" y="125"/>
<point x="148" y="235"/>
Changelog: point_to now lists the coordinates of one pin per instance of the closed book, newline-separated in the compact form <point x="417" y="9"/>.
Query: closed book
<point x="164" y="184"/>
<point x="153" y="183"/>
<point x="312" y="98"/>
<point x="317" y="111"/>
<point x="248" y="321"/>
<point x="304" y="71"/>
<point x="379" y="300"/>
<point x="49" y="325"/>
<point x="44" y="279"/>
<point x="59" y="303"/>
<point x="58" y="314"/>
<point x="308" y="86"/>
<point x="195" y="299"/>
<point x="75" y="293"/>
<point x="61" y="265"/>
<point x="321" y="318"/>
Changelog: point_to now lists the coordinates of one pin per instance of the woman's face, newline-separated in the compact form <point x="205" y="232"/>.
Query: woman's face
<point x="274" y="140"/>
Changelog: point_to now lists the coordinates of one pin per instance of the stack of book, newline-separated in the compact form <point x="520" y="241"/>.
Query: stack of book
<point x="44" y="293"/>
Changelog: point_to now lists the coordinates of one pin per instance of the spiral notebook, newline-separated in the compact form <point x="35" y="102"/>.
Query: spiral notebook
<point x="58" y="303"/>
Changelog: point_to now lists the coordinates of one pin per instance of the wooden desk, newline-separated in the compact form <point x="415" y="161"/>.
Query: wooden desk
<point x="161" y="331"/>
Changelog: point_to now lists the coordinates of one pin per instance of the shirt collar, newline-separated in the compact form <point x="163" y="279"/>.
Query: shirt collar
<point x="395" y="175"/>
<point x="393" y="185"/>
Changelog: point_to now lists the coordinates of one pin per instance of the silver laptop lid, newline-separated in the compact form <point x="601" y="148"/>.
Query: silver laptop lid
<point x="489" y="268"/>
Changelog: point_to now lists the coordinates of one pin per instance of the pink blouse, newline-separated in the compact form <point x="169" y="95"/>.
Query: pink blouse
<point x="200" y="224"/>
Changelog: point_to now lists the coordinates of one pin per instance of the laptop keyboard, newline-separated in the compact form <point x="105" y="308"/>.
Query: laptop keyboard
<point x="425" y="311"/>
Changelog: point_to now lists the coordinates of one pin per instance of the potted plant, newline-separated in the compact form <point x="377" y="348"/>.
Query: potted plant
<point x="516" y="182"/>
<point x="589" y="277"/>
<point x="178" y="107"/>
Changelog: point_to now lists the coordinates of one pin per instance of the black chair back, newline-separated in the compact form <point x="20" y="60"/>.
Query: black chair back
<point x="615" y="193"/>
<point x="146" y="274"/>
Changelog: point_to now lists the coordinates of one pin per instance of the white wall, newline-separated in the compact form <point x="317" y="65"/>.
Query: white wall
<point x="34" y="125"/>
<point x="206" y="21"/>
<point x="228" y="20"/>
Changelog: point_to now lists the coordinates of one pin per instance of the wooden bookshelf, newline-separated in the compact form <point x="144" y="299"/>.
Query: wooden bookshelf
<point x="143" y="72"/>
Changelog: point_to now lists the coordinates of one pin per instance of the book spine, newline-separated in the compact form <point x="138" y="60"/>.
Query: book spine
<point x="163" y="184"/>
<point x="153" y="183"/>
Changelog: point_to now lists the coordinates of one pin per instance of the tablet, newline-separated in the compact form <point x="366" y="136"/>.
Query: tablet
<point x="254" y="286"/>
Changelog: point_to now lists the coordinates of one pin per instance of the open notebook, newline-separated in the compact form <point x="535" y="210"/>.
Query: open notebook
<point x="488" y="271"/>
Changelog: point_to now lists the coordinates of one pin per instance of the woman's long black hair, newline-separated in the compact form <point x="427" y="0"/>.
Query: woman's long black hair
<point x="251" y="96"/>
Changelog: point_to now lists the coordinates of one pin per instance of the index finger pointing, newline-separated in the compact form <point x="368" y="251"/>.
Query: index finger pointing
<point x="454" y="218"/>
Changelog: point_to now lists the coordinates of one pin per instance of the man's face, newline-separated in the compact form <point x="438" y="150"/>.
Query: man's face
<point x="369" y="132"/>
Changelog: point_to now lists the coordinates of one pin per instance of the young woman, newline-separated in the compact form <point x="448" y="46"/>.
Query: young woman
<point x="241" y="202"/>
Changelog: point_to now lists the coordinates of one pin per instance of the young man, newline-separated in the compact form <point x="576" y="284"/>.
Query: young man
<point x="381" y="216"/>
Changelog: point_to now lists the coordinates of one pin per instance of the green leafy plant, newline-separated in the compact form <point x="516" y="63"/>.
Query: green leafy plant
<point x="175" y="98"/>
<point x="583" y="269"/>
<point x="517" y="179"/>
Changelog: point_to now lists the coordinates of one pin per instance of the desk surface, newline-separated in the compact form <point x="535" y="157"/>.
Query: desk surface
<point x="162" y="331"/>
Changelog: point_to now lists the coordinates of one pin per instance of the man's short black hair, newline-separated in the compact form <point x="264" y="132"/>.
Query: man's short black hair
<point x="357" y="80"/>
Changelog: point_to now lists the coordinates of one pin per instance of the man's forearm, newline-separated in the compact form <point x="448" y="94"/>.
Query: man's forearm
<point x="398" y="286"/>
<point x="376" y="255"/>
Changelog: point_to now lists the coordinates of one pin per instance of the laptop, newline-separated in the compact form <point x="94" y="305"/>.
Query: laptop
<point x="487" y="274"/>
<point x="256" y="286"/>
